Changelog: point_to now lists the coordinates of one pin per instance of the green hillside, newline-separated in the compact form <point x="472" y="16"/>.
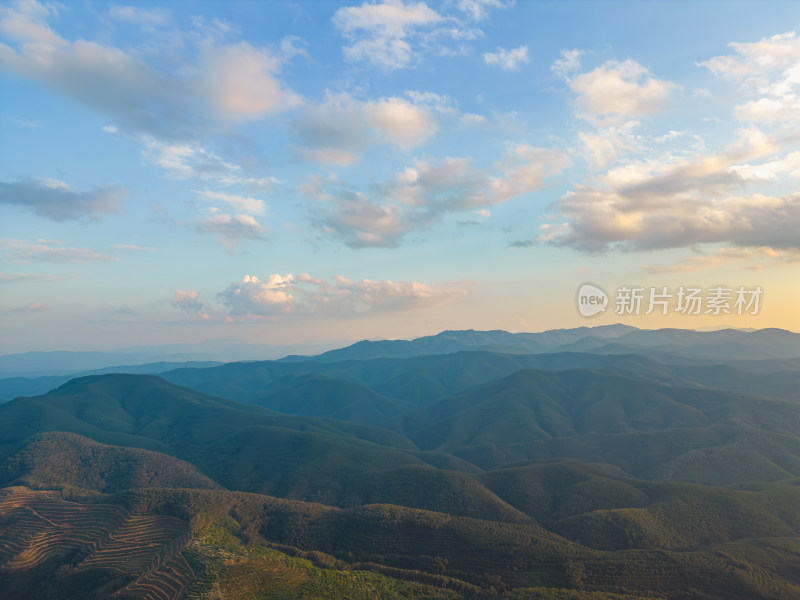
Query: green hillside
<point x="59" y="460"/>
<point x="412" y="381"/>
<point x="364" y="390"/>
<point x="649" y="429"/>
<point x="467" y="476"/>
<point x="320" y="396"/>
<point x="499" y="557"/>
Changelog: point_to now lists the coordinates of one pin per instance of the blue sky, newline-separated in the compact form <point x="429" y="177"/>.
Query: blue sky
<point x="312" y="171"/>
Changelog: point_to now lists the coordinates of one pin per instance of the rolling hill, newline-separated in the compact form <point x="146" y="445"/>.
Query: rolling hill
<point x="505" y="469"/>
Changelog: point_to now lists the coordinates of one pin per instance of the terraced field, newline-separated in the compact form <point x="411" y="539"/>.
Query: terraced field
<point x="36" y="526"/>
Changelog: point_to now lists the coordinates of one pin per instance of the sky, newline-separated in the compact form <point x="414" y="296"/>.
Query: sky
<point x="325" y="171"/>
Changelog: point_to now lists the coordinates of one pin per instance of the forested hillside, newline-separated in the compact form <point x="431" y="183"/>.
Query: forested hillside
<point x="473" y="474"/>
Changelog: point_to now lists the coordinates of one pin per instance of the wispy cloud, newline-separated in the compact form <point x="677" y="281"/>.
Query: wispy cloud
<point x="192" y="161"/>
<point x="134" y="248"/>
<point x="26" y="277"/>
<point x="57" y="201"/>
<point x="156" y="17"/>
<point x="569" y="63"/>
<point x="508" y="60"/>
<point x="478" y="10"/>
<point x="748" y="258"/>
<point x="421" y="194"/>
<point x="232" y="228"/>
<point x="20" y="251"/>
<point x="244" y="204"/>
<point x="29" y="123"/>
<point x="34" y="307"/>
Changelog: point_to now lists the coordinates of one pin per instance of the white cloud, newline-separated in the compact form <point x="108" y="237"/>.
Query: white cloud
<point x="19" y="251"/>
<point x="360" y="221"/>
<point x="192" y="161"/>
<point x="454" y="184"/>
<point x="754" y="59"/>
<point x="252" y="296"/>
<point x="430" y="99"/>
<point x="393" y="34"/>
<point x="525" y="169"/>
<point x="232" y="228"/>
<point x="380" y="33"/>
<point x="227" y="83"/>
<point x="403" y="124"/>
<point x="619" y="90"/>
<point x="187" y="160"/>
<point x="682" y="202"/>
<point x="213" y="29"/>
<point x="27" y="21"/>
<point x="612" y="98"/>
<point x="156" y="17"/>
<point x="240" y="82"/>
<point x="770" y="110"/>
<point x="292" y="46"/>
<point x="601" y="219"/>
<point x="771" y="170"/>
<point x="769" y="71"/>
<point x="569" y="63"/>
<point x="478" y="10"/>
<point x="420" y="195"/>
<point x="252" y="206"/>
<point x="57" y="201"/>
<point x="304" y="294"/>
<point x="603" y="146"/>
<point x="508" y="60"/>
<point x="685" y="196"/>
<point x="103" y="78"/>
<point x="340" y="128"/>
<point x="473" y="120"/>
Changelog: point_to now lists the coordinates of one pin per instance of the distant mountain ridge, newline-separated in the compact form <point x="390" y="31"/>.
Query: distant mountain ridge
<point x="720" y="344"/>
<point x="11" y="387"/>
<point x="448" y="342"/>
<point x="64" y="362"/>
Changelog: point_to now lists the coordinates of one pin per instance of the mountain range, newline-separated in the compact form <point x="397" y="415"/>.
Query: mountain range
<point x="594" y="463"/>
